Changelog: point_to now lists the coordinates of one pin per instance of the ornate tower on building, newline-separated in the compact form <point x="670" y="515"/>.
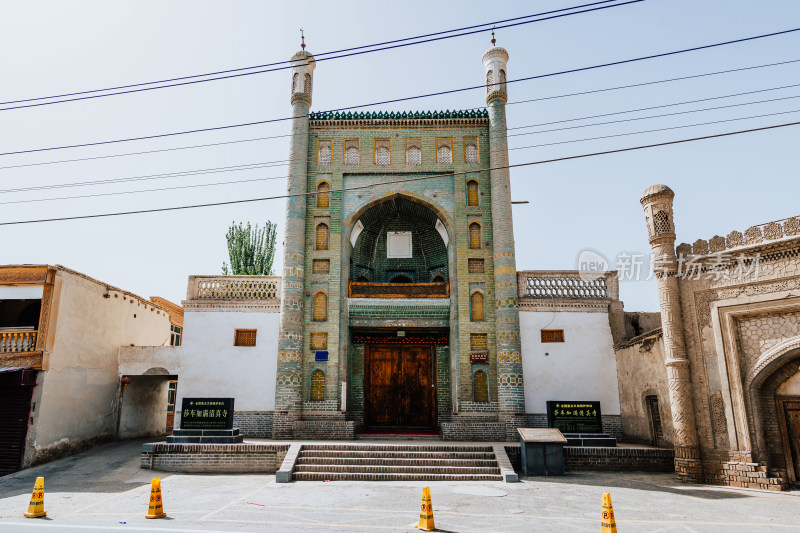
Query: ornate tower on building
<point x="511" y="396"/>
<point x="657" y="204"/>
<point x="289" y="386"/>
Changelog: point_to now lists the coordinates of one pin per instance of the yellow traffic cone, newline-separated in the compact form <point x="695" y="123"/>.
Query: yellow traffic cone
<point x="426" y="512"/>
<point x="36" y="507"/>
<point x="156" y="508"/>
<point x="607" y="522"/>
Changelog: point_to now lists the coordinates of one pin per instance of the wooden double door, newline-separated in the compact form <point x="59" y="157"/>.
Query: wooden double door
<point x="399" y="386"/>
<point x="790" y="427"/>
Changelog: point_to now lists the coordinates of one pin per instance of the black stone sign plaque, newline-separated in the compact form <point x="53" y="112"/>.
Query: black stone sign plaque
<point x="207" y="413"/>
<point x="575" y="417"/>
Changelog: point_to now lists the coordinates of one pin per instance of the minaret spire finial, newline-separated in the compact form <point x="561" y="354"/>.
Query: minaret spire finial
<point x="302" y="39"/>
<point x="493" y="39"/>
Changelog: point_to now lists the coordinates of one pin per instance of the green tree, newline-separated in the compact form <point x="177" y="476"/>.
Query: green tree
<point x="250" y="250"/>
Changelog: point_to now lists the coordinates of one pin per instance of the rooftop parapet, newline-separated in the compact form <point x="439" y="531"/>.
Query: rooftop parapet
<point x="233" y="293"/>
<point x="754" y="235"/>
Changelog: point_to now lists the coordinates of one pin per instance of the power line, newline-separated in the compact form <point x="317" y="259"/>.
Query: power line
<point x="655" y="130"/>
<point x="567" y="95"/>
<point x="650" y="116"/>
<point x="321" y="59"/>
<point x="148" y="177"/>
<point x="448" y="174"/>
<point x="236" y="182"/>
<point x="284" y="162"/>
<point x="662" y="106"/>
<point x="440" y="93"/>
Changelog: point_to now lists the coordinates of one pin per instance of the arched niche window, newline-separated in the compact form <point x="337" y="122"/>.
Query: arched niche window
<point x="323" y="233"/>
<point x="295" y="82"/>
<point x="319" y="311"/>
<point x="307" y="84"/>
<point x="351" y="152"/>
<point x="475" y="236"/>
<point x="438" y="278"/>
<point x="317" y="385"/>
<point x="480" y="386"/>
<point x="477" y="312"/>
<point x="400" y="278"/>
<point x="489" y="81"/>
<point x="472" y="192"/>
<point x="502" y="80"/>
<point x="323" y="194"/>
<point x="470" y="150"/>
<point x="382" y="152"/>
<point x="413" y="152"/>
<point x="444" y="151"/>
<point x="324" y="153"/>
<point x="362" y="279"/>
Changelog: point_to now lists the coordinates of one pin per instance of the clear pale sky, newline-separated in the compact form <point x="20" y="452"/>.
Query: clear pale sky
<point x="60" y="47"/>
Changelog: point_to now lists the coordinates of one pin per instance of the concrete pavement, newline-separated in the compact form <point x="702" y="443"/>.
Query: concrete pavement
<point x="104" y="490"/>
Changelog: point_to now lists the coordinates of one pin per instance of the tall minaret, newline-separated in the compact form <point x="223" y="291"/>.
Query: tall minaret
<point x="289" y="386"/>
<point x="510" y="392"/>
<point x="657" y="204"/>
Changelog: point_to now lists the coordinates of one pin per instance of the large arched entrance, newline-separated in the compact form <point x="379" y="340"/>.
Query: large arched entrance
<point x="399" y="272"/>
<point x="775" y="403"/>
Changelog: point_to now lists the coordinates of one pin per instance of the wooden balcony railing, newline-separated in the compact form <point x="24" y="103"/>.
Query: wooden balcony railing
<point x="399" y="290"/>
<point x="17" y="341"/>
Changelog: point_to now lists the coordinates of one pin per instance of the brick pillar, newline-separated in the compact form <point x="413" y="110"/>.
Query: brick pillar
<point x="657" y="204"/>
<point x="289" y="380"/>
<point x="510" y="392"/>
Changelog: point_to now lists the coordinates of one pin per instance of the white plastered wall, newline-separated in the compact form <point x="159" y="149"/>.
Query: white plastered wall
<point x="583" y="368"/>
<point x="80" y="385"/>
<point x="211" y="366"/>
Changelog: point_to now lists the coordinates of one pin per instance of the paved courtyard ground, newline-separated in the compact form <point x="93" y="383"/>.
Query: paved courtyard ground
<point x="104" y="490"/>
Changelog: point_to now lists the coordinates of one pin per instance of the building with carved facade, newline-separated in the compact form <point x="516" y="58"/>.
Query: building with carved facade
<point x="720" y="380"/>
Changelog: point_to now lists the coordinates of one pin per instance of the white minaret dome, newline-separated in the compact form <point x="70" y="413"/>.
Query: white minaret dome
<point x="303" y="65"/>
<point x="495" y="60"/>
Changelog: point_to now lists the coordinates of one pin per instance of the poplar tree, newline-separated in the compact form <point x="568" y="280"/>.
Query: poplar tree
<point x="250" y="250"/>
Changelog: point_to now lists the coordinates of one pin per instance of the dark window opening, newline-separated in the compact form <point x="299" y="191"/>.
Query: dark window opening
<point x="20" y="314"/>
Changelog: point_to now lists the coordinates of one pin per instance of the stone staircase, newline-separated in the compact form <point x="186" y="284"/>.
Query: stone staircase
<point x="385" y="462"/>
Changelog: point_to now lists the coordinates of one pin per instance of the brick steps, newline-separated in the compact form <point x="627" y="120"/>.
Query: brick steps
<point x="405" y="462"/>
<point x="340" y="476"/>
<point x="394" y="461"/>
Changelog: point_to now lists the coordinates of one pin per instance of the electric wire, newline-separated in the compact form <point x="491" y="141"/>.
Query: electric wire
<point x="142" y="89"/>
<point x="419" y="178"/>
<point x="658" y="129"/>
<point x="650" y="116"/>
<point x="285" y="162"/>
<point x="451" y="91"/>
<point x="253" y="139"/>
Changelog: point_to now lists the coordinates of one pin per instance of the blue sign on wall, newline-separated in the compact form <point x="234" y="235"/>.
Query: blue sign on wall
<point x="321" y="355"/>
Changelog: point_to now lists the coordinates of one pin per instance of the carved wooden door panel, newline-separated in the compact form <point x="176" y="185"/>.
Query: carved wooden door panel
<point x="418" y="397"/>
<point x="792" y="414"/>
<point x="399" y="388"/>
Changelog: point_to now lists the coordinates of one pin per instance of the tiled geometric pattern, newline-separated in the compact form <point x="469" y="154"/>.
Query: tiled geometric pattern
<point x="444" y="151"/>
<point x="413" y="152"/>
<point x="382" y="152"/>
<point x="760" y="333"/>
<point x="351" y="152"/>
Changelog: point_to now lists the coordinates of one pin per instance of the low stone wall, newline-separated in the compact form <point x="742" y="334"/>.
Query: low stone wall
<point x="324" y="429"/>
<point x="473" y="431"/>
<point x="736" y="469"/>
<point x="254" y="424"/>
<point x="213" y="458"/>
<point x="591" y="459"/>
